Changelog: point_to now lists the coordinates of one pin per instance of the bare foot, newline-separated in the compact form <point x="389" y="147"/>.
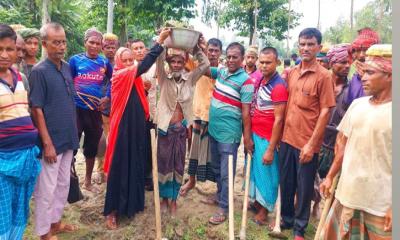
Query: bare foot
<point x="164" y="205"/>
<point x="261" y="217"/>
<point x="90" y="187"/>
<point x="60" y="227"/>
<point x="172" y="208"/>
<point x="48" y="236"/>
<point x="188" y="186"/>
<point x="111" y="221"/>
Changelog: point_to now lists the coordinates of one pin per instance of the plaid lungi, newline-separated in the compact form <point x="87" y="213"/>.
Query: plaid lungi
<point x="350" y="224"/>
<point x="18" y="173"/>
<point x="200" y="153"/>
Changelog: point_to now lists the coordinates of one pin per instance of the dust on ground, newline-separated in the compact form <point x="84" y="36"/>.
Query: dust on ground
<point x="190" y="223"/>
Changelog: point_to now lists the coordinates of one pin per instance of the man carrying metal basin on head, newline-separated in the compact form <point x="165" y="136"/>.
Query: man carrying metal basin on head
<point x="174" y="110"/>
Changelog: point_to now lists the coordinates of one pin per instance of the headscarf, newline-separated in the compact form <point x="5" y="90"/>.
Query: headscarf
<point x="339" y="53"/>
<point x="110" y="39"/>
<point x="122" y="82"/>
<point x="93" y="32"/>
<point x="379" y="56"/>
<point x="366" y="38"/>
<point x="173" y="52"/>
<point x="27" y="33"/>
<point x="252" y="50"/>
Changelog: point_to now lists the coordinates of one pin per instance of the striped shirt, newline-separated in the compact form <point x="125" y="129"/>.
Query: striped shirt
<point x="16" y="128"/>
<point x="267" y="96"/>
<point x="230" y="92"/>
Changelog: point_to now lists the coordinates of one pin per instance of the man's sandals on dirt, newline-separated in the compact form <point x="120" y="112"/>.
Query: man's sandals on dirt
<point x="217" y="219"/>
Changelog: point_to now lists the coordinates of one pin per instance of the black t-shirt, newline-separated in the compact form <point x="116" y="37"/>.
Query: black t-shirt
<point x="53" y="91"/>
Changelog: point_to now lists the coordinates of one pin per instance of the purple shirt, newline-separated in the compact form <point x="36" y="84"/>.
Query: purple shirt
<point x="355" y="89"/>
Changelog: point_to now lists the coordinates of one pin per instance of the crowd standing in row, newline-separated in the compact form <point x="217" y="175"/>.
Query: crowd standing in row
<point x="306" y="124"/>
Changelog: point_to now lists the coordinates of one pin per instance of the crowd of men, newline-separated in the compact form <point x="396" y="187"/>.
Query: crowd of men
<point x="302" y="127"/>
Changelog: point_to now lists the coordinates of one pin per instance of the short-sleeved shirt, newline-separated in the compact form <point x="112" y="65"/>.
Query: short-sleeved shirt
<point x="16" y="128"/>
<point x="53" y="91"/>
<point x="366" y="179"/>
<point x="309" y="92"/>
<point x="230" y="92"/>
<point x="266" y="97"/>
<point x="88" y="75"/>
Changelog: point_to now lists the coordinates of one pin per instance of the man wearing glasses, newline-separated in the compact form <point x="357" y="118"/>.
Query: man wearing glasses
<point x="53" y="110"/>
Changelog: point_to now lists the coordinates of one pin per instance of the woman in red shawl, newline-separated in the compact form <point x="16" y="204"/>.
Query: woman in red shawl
<point x="127" y="147"/>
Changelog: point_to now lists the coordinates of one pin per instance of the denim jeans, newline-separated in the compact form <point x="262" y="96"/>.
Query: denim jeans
<point x="219" y="160"/>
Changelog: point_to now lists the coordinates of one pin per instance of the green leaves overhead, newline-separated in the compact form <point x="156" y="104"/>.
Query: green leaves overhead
<point x="272" y="17"/>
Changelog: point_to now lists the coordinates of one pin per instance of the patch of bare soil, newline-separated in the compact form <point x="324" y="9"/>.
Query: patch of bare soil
<point x="191" y="221"/>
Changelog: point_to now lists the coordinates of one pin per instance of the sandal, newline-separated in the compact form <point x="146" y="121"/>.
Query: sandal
<point x="217" y="219"/>
<point x="111" y="222"/>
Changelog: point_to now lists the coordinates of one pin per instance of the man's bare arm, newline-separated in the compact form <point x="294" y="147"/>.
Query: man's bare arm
<point x="277" y="129"/>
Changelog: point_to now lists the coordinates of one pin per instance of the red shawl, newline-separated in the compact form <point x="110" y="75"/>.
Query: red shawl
<point x="122" y="82"/>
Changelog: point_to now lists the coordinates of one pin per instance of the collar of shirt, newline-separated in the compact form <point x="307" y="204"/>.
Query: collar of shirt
<point x="313" y="68"/>
<point x="245" y="68"/>
<point x="264" y="82"/>
<point x="14" y="79"/>
<point x="228" y="74"/>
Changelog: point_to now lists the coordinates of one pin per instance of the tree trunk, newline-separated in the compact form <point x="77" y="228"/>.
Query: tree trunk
<point x="110" y="16"/>
<point x="351" y="15"/>
<point x="288" y="30"/>
<point x="45" y="19"/>
<point x="319" y="15"/>
<point x="254" y="40"/>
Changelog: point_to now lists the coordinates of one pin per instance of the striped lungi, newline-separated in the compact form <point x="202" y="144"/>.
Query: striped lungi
<point x="200" y="153"/>
<point x="348" y="224"/>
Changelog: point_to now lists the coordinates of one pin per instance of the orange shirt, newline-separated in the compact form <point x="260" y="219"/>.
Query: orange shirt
<point x="309" y="92"/>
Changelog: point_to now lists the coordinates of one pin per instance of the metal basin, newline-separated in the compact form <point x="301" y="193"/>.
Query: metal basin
<point x="182" y="38"/>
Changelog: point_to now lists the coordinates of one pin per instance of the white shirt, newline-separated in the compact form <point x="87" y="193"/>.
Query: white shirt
<point x="366" y="179"/>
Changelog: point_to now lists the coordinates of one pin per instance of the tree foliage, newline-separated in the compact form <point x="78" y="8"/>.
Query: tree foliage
<point x="133" y="18"/>
<point x="272" y="17"/>
<point x="376" y="15"/>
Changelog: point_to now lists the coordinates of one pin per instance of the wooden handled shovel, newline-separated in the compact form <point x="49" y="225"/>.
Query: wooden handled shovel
<point x="155" y="184"/>
<point x="242" y="234"/>
<point x="276" y="232"/>
<point x="231" y="207"/>
<point x="327" y="206"/>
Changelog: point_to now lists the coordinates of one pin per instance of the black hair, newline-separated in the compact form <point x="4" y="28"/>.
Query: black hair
<point x="286" y="62"/>
<point x="136" y="40"/>
<point x="267" y="50"/>
<point x="294" y="55"/>
<point x="236" y="45"/>
<point x="310" y="33"/>
<point x="7" y="32"/>
<point x="215" y="42"/>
